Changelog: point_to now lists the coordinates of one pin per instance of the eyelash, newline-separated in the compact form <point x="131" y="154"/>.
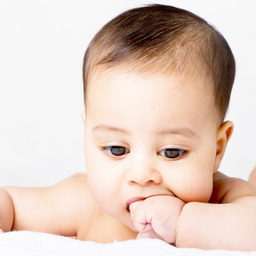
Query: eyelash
<point x="121" y="151"/>
<point x="175" y="152"/>
<point x="109" y="149"/>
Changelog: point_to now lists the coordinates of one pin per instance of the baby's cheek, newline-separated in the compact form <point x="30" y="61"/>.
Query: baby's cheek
<point x="195" y="192"/>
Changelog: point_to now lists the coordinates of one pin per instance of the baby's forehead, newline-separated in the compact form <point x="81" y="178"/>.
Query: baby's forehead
<point x="100" y="75"/>
<point x="115" y="96"/>
<point x="123" y="79"/>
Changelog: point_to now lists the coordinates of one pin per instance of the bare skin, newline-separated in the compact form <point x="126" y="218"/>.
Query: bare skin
<point x="45" y="210"/>
<point x="252" y="178"/>
<point x="84" y="220"/>
<point x="153" y="147"/>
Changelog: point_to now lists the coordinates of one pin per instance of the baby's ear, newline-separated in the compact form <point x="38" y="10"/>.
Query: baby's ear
<point x="224" y="133"/>
<point x="83" y="115"/>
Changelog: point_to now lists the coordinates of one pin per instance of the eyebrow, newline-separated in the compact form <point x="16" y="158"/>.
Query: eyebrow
<point x="184" y="131"/>
<point x="103" y="127"/>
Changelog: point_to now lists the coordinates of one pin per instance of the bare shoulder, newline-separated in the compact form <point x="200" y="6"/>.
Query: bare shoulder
<point x="76" y="183"/>
<point x="78" y="198"/>
<point x="83" y="209"/>
<point x="76" y="194"/>
<point x="227" y="189"/>
<point x="72" y="187"/>
<point x="80" y="209"/>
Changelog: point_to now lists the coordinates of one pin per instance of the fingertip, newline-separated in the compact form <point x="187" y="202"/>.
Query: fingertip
<point x="134" y="205"/>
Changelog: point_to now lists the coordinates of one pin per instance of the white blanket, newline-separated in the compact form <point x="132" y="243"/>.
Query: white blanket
<point x="26" y="243"/>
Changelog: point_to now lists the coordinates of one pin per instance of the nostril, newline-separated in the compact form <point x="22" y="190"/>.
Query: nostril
<point x="144" y="182"/>
<point x="143" y="174"/>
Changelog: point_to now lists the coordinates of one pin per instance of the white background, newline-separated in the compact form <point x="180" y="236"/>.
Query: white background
<point x="42" y="44"/>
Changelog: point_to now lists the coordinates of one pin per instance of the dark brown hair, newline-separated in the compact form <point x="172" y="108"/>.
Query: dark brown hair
<point x="159" y="38"/>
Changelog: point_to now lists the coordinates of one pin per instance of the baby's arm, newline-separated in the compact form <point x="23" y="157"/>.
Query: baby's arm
<point x="56" y="209"/>
<point x="228" y="222"/>
<point x="6" y="211"/>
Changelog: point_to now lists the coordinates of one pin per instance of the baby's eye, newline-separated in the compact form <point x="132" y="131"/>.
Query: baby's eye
<point x="116" y="150"/>
<point x="171" y="152"/>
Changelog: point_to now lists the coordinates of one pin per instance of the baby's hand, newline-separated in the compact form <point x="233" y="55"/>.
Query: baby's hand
<point x="156" y="217"/>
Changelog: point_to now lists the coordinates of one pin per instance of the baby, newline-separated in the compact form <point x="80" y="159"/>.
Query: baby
<point x="157" y="83"/>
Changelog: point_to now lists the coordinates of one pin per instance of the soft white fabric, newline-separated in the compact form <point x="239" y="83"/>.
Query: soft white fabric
<point x="26" y="243"/>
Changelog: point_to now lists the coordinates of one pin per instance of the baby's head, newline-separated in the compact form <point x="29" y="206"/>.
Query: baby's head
<point x="157" y="83"/>
<point x="164" y="40"/>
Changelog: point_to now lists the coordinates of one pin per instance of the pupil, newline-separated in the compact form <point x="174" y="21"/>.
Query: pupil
<point x="117" y="151"/>
<point x="172" y="153"/>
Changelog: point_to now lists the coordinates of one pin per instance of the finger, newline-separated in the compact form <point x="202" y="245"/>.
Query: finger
<point x="139" y="216"/>
<point x="1" y="231"/>
<point x="150" y="234"/>
<point x="133" y="206"/>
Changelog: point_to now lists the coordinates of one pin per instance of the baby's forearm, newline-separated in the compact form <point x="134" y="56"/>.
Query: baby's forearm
<point x="6" y="211"/>
<point x="217" y="226"/>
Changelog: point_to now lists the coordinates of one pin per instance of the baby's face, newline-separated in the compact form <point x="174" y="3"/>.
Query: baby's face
<point x="147" y="136"/>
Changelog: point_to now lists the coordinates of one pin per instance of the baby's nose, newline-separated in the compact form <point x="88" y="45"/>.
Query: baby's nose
<point x="143" y="171"/>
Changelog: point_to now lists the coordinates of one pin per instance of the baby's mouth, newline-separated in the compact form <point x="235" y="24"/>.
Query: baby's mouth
<point x="137" y="199"/>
